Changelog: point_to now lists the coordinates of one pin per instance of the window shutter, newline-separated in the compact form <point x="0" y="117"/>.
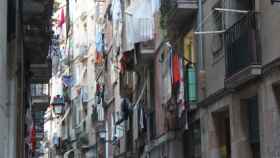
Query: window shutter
<point x="192" y="84"/>
<point x="276" y="89"/>
<point x="253" y="119"/>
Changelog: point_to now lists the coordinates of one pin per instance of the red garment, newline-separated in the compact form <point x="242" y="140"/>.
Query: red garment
<point x="33" y="138"/>
<point x="62" y="18"/>
<point x="98" y="87"/>
<point x="99" y="58"/>
<point x="176" y="76"/>
<point x="124" y="61"/>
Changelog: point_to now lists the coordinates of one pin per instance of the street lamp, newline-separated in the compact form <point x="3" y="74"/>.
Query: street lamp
<point x="102" y="135"/>
<point x="58" y="104"/>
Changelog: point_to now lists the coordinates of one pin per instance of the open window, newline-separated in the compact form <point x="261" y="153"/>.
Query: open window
<point x="222" y="132"/>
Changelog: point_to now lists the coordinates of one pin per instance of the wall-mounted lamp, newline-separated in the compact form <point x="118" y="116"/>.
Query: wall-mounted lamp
<point x="58" y="104"/>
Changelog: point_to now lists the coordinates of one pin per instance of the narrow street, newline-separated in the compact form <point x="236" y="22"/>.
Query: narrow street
<point x="139" y="78"/>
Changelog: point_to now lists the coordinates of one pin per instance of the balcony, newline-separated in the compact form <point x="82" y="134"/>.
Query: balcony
<point x="147" y="51"/>
<point x="36" y="24"/>
<point x="145" y="38"/>
<point x="94" y="116"/>
<point x="242" y="59"/>
<point x="41" y="73"/>
<point x="82" y="139"/>
<point x="179" y="13"/>
<point x="81" y="134"/>
<point x="39" y="97"/>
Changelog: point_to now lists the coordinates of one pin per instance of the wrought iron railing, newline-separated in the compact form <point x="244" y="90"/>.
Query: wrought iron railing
<point x="186" y="1"/>
<point x="174" y="4"/>
<point x="240" y="45"/>
<point x="169" y="7"/>
<point x="39" y="90"/>
<point x="144" y="29"/>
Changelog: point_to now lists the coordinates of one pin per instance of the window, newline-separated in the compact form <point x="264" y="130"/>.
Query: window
<point x="253" y="119"/>
<point x="246" y="4"/>
<point x="151" y="101"/>
<point x="221" y="126"/>
<point x="276" y="89"/>
<point x="192" y="141"/>
<point x="253" y="123"/>
<point x="217" y="39"/>
<point x="76" y="112"/>
<point x="127" y="3"/>
<point x="218" y="16"/>
<point x="117" y="130"/>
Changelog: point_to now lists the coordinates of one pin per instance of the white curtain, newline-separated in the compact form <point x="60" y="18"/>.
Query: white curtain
<point x="117" y="22"/>
<point x="139" y="24"/>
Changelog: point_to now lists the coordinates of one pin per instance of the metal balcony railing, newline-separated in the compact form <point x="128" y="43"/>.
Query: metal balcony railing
<point x="176" y="14"/>
<point x="176" y="2"/>
<point x="180" y="3"/>
<point x="144" y="29"/>
<point x="240" y="45"/>
<point x="186" y="1"/>
<point x="39" y="90"/>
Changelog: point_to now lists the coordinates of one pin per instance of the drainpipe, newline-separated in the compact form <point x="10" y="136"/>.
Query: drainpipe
<point x="20" y="146"/>
<point x="200" y="36"/>
<point x="200" y="73"/>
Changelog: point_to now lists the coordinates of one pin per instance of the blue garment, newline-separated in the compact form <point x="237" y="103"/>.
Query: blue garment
<point x="99" y="42"/>
<point x="55" y="140"/>
<point x="67" y="81"/>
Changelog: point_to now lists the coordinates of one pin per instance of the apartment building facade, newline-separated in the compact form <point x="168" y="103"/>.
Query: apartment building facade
<point x="239" y="95"/>
<point x="170" y="78"/>
<point x="19" y="71"/>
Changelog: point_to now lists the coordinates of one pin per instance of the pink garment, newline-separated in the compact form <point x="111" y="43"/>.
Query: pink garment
<point x="181" y="93"/>
<point x="62" y="18"/>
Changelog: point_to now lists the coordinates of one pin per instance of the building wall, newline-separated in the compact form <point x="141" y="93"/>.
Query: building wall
<point x="212" y="141"/>
<point x="269" y="31"/>
<point x="269" y="36"/>
<point x="268" y="108"/>
<point x="214" y="65"/>
<point x="240" y="146"/>
<point x="270" y="116"/>
<point x="7" y="92"/>
<point x="210" y="135"/>
<point x="159" y="107"/>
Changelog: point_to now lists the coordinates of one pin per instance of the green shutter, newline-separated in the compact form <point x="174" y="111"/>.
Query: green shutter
<point x="253" y="119"/>
<point x="191" y="84"/>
